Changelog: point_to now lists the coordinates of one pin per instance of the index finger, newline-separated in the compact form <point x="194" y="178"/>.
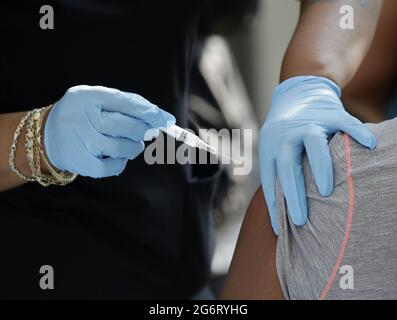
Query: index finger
<point x="132" y="105"/>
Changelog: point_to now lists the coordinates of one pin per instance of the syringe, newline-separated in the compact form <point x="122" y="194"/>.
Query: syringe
<point x="194" y="141"/>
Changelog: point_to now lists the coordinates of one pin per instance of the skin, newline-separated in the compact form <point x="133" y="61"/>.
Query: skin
<point x="375" y="82"/>
<point x="8" y="124"/>
<point x="320" y="47"/>
<point x="252" y="274"/>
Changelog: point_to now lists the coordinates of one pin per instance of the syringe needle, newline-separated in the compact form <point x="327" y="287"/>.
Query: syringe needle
<point x="205" y="146"/>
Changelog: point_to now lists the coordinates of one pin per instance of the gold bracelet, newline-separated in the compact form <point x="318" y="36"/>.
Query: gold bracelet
<point x="36" y="155"/>
<point x="31" y="149"/>
<point x="29" y="143"/>
<point x="58" y="177"/>
<point x="41" y="178"/>
<point x="11" y="158"/>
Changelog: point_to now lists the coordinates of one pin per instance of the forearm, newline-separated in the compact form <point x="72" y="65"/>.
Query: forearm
<point x="8" y="125"/>
<point x="320" y="47"/>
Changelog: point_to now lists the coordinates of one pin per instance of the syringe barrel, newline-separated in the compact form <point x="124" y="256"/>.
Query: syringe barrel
<point x="182" y="135"/>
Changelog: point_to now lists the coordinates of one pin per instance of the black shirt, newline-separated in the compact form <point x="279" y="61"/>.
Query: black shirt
<point x="143" y="234"/>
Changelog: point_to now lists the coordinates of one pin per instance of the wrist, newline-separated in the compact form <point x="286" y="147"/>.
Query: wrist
<point x="44" y="168"/>
<point x="35" y="161"/>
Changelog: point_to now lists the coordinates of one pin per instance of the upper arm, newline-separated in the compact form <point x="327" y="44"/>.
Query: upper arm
<point x="374" y="83"/>
<point x="252" y="274"/>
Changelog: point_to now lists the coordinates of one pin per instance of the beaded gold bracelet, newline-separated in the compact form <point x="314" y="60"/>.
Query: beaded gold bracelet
<point x="35" y="164"/>
<point x="35" y="153"/>
<point x="29" y="142"/>
<point x="57" y="177"/>
<point x="11" y="158"/>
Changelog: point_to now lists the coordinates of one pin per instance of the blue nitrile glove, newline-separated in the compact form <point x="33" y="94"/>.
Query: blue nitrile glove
<point x="304" y="112"/>
<point x="94" y="131"/>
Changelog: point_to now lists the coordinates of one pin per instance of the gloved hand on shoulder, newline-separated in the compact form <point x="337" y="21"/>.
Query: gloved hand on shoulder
<point x="304" y="112"/>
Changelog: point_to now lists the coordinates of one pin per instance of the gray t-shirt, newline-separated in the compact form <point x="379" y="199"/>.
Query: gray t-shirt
<point x="348" y="249"/>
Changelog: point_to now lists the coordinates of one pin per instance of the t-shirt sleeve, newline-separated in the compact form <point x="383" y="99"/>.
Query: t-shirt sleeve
<point x="305" y="255"/>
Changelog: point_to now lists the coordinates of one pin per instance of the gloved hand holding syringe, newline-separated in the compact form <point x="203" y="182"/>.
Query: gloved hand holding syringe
<point x="194" y="141"/>
<point x="100" y="129"/>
